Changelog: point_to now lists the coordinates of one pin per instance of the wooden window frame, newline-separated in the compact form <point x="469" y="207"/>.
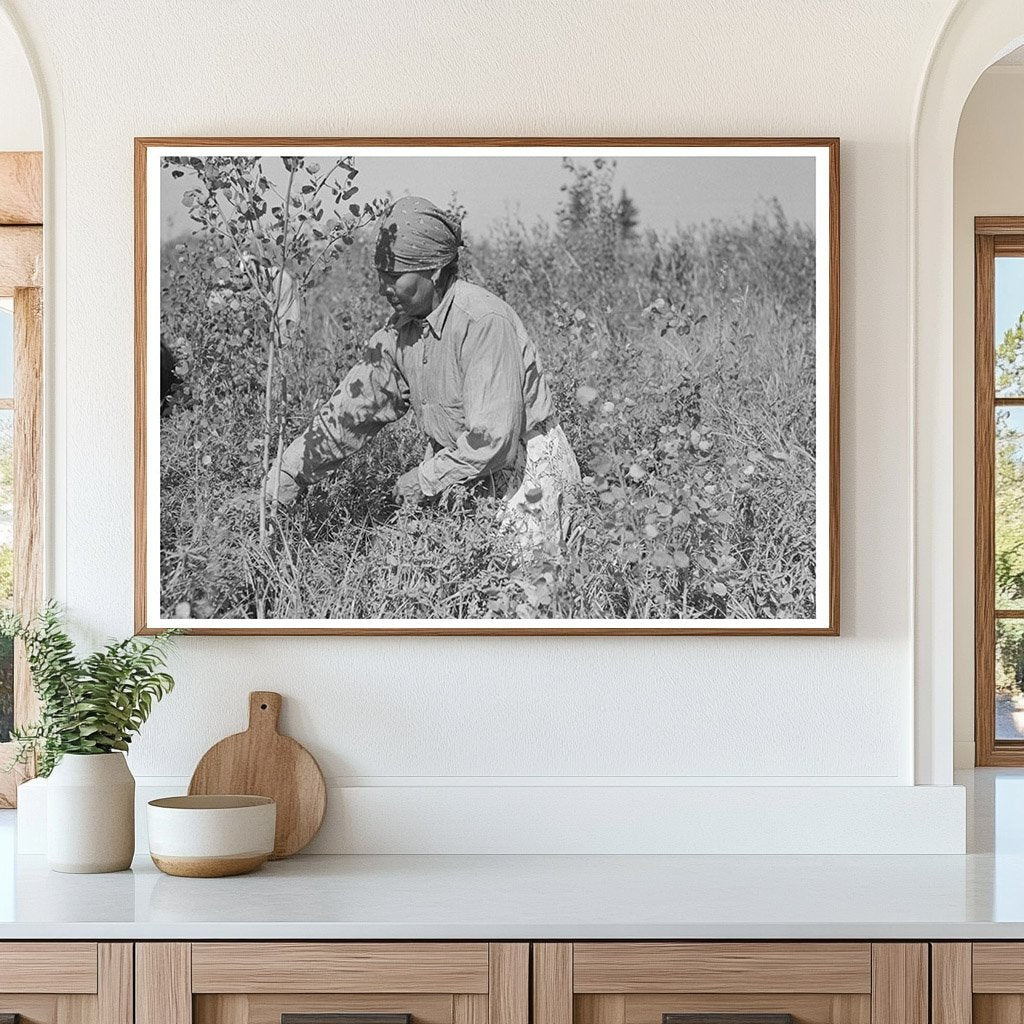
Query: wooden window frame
<point x="21" y="278"/>
<point x="993" y="236"/>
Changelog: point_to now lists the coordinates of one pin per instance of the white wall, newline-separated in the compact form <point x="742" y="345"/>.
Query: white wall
<point x="447" y="713"/>
<point x="987" y="182"/>
<point x="21" y="126"/>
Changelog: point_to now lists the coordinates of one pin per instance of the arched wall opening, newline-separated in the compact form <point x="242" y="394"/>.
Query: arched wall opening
<point x="987" y="183"/>
<point x="976" y="34"/>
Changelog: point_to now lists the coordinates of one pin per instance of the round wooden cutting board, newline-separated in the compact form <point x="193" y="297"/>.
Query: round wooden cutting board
<point x="262" y="762"/>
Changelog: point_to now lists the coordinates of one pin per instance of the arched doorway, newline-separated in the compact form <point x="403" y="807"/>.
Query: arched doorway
<point x="976" y="34"/>
<point x="988" y="198"/>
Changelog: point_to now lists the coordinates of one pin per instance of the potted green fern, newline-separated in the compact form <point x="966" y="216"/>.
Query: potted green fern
<point x="89" y="710"/>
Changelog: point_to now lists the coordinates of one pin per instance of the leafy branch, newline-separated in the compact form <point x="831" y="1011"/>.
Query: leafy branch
<point x="90" y="705"/>
<point x="268" y="241"/>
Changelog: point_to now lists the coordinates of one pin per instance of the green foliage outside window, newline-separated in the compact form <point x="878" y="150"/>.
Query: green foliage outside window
<point x="1009" y="511"/>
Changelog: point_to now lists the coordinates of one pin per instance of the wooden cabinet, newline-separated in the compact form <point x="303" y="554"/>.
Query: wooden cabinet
<point x="757" y="982"/>
<point x="306" y="982"/>
<point x="498" y="983"/>
<point x="66" y="982"/>
<point x="978" y="982"/>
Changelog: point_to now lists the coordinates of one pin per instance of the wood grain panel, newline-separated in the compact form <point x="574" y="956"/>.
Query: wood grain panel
<point x="594" y="1009"/>
<point x="115" y="983"/>
<point x="346" y="1018"/>
<point x="833" y="389"/>
<point x="28" y="487"/>
<point x="998" y="967"/>
<point x="65" y="967"/>
<point x="34" y="1009"/>
<point x="994" y="236"/>
<point x="805" y="1008"/>
<point x="851" y="1009"/>
<point x="508" y="992"/>
<point x="998" y="225"/>
<point x="998" y="1009"/>
<point x="227" y="1009"/>
<point x="21" y="259"/>
<point x="1010" y="245"/>
<point x="76" y="1010"/>
<point x="163" y="983"/>
<point x="28" y="483"/>
<point x="951" y="983"/>
<point x="141" y="518"/>
<point x="984" y="502"/>
<point x="339" y="967"/>
<point x="636" y="967"/>
<point x="21" y="188"/>
<point x="899" y="991"/>
<point x="267" y="1009"/>
<point x="552" y="983"/>
<point x="469" y="1009"/>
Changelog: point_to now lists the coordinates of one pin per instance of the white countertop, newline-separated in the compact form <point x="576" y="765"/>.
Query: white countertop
<point x="976" y="896"/>
<point x="517" y="897"/>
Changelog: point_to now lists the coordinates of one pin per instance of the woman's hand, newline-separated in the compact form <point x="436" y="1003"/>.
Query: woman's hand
<point x="281" y="487"/>
<point x="407" y="488"/>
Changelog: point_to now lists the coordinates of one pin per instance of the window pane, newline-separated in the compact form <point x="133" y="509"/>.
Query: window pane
<point x="1009" y="539"/>
<point x="6" y="353"/>
<point x="1009" y="324"/>
<point x="1009" y="679"/>
<point x="6" y="568"/>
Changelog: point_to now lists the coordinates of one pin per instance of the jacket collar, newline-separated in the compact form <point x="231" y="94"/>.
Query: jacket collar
<point x="435" y="320"/>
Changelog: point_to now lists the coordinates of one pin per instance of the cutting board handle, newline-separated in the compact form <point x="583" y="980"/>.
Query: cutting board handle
<point x="264" y="710"/>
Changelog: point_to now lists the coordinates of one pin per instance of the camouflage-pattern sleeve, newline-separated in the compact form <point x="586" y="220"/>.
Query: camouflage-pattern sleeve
<point x="372" y="394"/>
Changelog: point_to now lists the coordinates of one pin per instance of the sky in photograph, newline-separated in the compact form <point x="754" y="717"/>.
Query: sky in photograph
<point x="1009" y="293"/>
<point x="667" y="191"/>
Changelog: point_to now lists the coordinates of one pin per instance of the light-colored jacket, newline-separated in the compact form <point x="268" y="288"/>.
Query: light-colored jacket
<point x="470" y="374"/>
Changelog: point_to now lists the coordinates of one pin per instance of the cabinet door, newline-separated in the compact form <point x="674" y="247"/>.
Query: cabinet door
<point x="730" y="983"/>
<point x="332" y="983"/>
<point x="66" y="982"/>
<point x="981" y="982"/>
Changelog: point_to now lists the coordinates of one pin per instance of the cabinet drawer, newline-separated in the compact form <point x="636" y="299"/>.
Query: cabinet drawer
<point x="642" y="982"/>
<point x="730" y="983"/>
<point x="998" y="968"/>
<point x="66" y="982"/>
<point x="340" y="967"/>
<point x="751" y="967"/>
<point x="332" y="983"/>
<point x="65" y="967"/>
<point x="980" y="982"/>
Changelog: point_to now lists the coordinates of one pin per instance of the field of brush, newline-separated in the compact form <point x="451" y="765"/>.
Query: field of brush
<point x="683" y="369"/>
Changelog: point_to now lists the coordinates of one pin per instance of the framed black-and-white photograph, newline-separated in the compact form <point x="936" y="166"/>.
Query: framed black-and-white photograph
<point x="487" y="385"/>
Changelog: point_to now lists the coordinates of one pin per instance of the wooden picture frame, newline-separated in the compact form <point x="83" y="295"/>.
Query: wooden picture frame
<point x="157" y="609"/>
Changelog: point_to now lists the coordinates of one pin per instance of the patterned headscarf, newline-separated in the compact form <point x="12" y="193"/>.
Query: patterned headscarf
<point x="416" y="235"/>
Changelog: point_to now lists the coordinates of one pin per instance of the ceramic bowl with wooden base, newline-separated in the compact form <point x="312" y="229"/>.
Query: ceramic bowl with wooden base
<point x="211" y="836"/>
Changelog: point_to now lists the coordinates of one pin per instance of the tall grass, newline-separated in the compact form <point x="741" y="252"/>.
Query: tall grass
<point x="683" y="371"/>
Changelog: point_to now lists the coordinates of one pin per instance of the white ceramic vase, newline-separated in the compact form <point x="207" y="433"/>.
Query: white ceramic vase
<point x="90" y="814"/>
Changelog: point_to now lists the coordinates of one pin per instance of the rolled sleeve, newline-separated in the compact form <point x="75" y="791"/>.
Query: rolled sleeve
<point x="372" y="394"/>
<point x="492" y="397"/>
